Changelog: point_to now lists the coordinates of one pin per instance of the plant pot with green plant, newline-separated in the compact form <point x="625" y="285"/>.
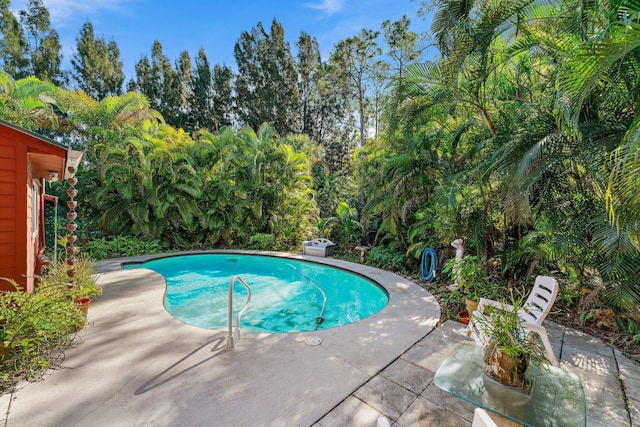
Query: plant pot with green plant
<point x="508" y="349"/>
<point x="79" y="288"/>
<point x="468" y="280"/>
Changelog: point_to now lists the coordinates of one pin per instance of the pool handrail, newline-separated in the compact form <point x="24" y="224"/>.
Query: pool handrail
<point x="320" y="318"/>
<point x="230" y="343"/>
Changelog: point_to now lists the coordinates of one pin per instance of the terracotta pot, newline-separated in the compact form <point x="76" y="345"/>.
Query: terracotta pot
<point x="83" y="304"/>
<point x="463" y="317"/>
<point x="471" y="306"/>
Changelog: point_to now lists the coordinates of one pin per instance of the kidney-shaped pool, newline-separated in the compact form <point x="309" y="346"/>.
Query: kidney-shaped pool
<point x="287" y="295"/>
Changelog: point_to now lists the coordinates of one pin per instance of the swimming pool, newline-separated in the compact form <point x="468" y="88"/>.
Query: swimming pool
<point x="288" y="295"/>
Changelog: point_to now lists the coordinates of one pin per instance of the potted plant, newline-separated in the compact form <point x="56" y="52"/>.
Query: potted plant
<point x="468" y="276"/>
<point x="509" y="351"/>
<point x="80" y="288"/>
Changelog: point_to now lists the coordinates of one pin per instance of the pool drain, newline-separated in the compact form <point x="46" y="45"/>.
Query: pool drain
<point x="313" y="340"/>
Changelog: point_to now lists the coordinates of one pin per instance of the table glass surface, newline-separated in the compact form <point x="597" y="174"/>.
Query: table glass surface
<point x="556" y="397"/>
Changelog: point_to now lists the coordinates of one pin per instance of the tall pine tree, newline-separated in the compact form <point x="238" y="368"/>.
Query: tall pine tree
<point x="402" y="50"/>
<point x="201" y="101"/>
<point x="211" y="101"/>
<point x="266" y="84"/>
<point x="96" y="66"/>
<point x="222" y="96"/>
<point x="354" y="59"/>
<point x="43" y="48"/>
<point x="324" y="104"/>
<point x="158" y="81"/>
<point x="13" y="44"/>
<point x="184" y="81"/>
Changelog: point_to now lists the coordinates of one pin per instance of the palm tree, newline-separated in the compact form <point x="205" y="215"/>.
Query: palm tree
<point x="98" y="123"/>
<point x="149" y="186"/>
<point x="276" y="182"/>
<point x="253" y="182"/>
<point x="602" y="76"/>
<point x="562" y="154"/>
<point x="28" y="102"/>
<point x="221" y="202"/>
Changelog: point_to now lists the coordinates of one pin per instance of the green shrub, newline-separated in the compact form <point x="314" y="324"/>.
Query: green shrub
<point x="36" y="328"/>
<point x="586" y="317"/>
<point x="262" y="242"/>
<point x="387" y="259"/>
<point x="84" y="285"/>
<point x="120" y="246"/>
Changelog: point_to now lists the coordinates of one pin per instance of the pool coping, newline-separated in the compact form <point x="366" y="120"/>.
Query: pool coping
<point x="136" y="364"/>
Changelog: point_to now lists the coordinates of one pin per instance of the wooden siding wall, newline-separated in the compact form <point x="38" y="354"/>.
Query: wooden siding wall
<point x="8" y="211"/>
<point x="24" y="157"/>
<point x="32" y="246"/>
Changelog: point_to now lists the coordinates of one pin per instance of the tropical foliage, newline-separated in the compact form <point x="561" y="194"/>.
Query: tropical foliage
<point x="159" y="183"/>
<point x="520" y="136"/>
<point x="36" y="327"/>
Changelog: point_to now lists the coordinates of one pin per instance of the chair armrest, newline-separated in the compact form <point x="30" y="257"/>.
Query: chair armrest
<point x="477" y="314"/>
<point x="534" y="328"/>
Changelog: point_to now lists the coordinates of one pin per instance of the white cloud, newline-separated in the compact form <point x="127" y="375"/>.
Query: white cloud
<point x="62" y="10"/>
<point x="328" y="6"/>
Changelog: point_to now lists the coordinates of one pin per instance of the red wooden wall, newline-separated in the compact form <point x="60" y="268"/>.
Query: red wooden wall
<point x="24" y="157"/>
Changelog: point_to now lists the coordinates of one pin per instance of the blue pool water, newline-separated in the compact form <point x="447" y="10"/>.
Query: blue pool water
<point x="287" y="294"/>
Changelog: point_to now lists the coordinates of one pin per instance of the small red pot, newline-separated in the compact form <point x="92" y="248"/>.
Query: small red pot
<point x="463" y="317"/>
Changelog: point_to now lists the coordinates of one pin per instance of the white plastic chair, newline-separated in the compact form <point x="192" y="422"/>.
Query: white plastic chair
<point x="532" y="314"/>
<point x="482" y="418"/>
<point x="318" y="247"/>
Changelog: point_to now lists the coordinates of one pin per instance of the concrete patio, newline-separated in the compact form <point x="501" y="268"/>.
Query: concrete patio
<point x="404" y="391"/>
<point x="136" y="365"/>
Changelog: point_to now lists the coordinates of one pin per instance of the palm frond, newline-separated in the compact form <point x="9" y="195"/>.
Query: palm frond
<point x="589" y="65"/>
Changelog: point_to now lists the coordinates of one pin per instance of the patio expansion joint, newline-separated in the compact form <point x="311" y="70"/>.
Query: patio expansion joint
<point x="371" y="377"/>
<point x="564" y="332"/>
<point x="6" y="415"/>
<point x="622" y="387"/>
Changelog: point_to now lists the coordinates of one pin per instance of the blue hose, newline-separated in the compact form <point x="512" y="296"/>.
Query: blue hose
<point x="429" y="264"/>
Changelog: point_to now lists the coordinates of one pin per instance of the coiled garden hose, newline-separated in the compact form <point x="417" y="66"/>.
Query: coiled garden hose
<point x="429" y="264"/>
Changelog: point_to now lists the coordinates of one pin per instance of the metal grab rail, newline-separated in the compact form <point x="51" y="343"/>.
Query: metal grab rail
<point x="320" y="318"/>
<point x="230" y="344"/>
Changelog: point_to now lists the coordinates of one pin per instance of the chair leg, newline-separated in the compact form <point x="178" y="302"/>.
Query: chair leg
<point x="548" y="349"/>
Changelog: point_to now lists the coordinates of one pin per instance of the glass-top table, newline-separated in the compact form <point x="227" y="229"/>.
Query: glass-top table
<point x="556" y="397"/>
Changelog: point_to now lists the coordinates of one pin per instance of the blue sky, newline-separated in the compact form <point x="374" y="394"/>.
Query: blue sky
<point x="215" y="25"/>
